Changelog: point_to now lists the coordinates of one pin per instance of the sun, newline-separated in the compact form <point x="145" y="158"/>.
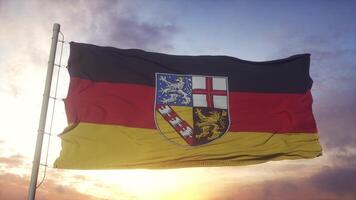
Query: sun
<point x="145" y="184"/>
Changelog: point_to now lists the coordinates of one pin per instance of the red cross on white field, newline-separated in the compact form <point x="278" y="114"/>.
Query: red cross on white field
<point x="209" y="92"/>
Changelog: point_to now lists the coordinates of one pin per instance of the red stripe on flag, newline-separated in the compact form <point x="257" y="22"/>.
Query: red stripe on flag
<point x="276" y="113"/>
<point x="110" y="103"/>
<point x="133" y="106"/>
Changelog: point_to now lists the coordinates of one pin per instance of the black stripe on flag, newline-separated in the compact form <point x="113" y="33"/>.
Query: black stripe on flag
<point x="108" y="64"/>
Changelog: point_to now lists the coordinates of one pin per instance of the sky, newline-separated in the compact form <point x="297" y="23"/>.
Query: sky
<point x="249" y="30"/>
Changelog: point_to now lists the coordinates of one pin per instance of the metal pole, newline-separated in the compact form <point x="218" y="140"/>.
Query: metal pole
<point x="42" y="123"/>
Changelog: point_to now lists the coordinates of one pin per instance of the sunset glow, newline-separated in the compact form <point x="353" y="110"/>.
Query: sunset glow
<point x="250" y="30"/>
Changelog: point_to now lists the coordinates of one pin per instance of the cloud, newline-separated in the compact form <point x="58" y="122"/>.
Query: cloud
<point x="111" y="23"/>
<point x="336" y="125"/>
<point x="12" y="161"/>
<point x="27" y="29"/>
<point x="339" y="181"/>
<point x="118" y="25"/>
<point x="329" y="183"/>
<point x="132" y="33"/>
<point x="14" y="187"/>
<point x="25" y="39"/>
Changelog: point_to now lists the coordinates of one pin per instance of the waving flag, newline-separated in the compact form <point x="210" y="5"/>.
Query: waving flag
<point x="137" y="109"/>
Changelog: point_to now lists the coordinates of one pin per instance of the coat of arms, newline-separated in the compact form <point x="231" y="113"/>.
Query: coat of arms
<point x="191" y="109"/>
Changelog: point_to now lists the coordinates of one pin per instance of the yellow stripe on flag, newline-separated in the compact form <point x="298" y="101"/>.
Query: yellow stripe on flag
<point x="97" y="146"/>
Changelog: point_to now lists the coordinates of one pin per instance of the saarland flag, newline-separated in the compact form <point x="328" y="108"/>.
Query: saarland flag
<point x="137" y="109"/>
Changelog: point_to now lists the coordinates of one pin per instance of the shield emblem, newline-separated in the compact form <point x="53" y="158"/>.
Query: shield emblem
<point x="191" y="110"/>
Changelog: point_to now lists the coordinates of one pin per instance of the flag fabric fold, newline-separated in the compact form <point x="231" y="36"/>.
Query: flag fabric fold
<point x="136" y="109"/>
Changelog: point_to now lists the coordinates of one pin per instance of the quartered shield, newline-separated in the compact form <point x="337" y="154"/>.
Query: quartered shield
<point x="191" y="109"/>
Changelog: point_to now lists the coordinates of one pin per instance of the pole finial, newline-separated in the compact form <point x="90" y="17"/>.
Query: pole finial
<point x="56" y="27"/>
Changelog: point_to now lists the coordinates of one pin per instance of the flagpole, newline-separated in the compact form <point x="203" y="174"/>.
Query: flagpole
<point x="42" y="123"/>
